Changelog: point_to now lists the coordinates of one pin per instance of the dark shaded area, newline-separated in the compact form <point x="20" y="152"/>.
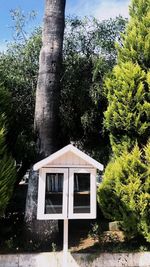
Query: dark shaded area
<point x="114" y="246"/>
<point x="13" y="238"/>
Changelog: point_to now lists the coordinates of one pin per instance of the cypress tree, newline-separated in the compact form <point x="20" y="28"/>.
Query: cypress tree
<point x="125" y="192"/>
<point x="127" y="117"/>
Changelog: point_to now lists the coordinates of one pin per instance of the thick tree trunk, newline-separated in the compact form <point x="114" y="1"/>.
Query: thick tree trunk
<point x="47" y="110"/>
<point x="48" y="87"/>
<point x="38" y="231"/>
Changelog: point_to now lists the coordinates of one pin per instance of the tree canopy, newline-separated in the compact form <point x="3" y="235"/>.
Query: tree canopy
<point x="88" y="54"/>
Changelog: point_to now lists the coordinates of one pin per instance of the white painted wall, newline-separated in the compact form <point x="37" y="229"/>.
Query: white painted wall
<point x="54" y="259"/>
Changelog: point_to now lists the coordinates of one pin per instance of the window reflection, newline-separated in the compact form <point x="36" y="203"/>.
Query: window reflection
<point x="54" y="193"/>
<point x="81" y="193"/>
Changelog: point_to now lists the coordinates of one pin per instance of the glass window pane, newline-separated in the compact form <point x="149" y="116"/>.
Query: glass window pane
<point x="54" y="193"/>
<point x="81" y="203"/>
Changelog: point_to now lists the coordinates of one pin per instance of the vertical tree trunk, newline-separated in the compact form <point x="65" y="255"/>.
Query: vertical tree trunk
<point x="47" y="110"/>
<point x="48" y="87"/>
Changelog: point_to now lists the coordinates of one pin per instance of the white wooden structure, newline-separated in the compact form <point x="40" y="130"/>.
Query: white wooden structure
<point x="67" y="185"/>
<point x="67" y="188"/>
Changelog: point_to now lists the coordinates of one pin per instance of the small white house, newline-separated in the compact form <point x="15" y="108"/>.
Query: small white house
<point x="67" y="185"/>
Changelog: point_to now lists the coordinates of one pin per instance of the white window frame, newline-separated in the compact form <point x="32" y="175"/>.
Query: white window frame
<point x="92" y="214"/>
<point x="41" y="195"/>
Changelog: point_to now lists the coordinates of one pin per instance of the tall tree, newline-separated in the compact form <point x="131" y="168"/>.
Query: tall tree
<point x="88" y="54"/>
<point x="47" y="108"/>
<point x="48" y="86"/>
<point x="126" y="179"/>
<point x="128" y="114"/>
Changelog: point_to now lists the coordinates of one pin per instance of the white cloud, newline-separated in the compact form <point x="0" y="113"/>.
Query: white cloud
<point x="3" y="46"/>
<point x="111" y="10"/>
<point x="101" y="9"/>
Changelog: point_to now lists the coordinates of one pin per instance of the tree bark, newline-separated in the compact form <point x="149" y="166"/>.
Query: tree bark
<point x="47" y="111"/>
<point x="39" y="231"/>
<point x="48" y="87"/>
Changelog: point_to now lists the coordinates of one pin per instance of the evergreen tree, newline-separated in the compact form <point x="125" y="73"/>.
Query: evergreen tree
<point x="124" y="194"/>
<point x="136" y="40"/>
<point x="128" y="88"/>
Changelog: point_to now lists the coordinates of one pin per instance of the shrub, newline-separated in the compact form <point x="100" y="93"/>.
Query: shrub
<point x="124" y="194"/>
<point x="7" y="174"/>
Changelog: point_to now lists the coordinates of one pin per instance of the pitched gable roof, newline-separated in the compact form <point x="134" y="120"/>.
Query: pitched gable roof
<point x="64" y="150"/>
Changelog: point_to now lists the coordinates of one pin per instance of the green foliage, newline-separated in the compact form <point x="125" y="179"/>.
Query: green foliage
<point x="128" y="114"/>
<point x="18" y="73"/>
<point x="20" y="21"/>
<point x="124" y="194"/>
<point x="5" y="100"/>
<point x="89" y="53"/>
<point x="127" y="118"/>
<point x="7" y="173"/>
<point x="7" y="164"/>
<point x="95" y="231"/>
<point x="136" y="40"/>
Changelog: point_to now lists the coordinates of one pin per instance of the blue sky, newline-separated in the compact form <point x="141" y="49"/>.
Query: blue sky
<point x="102" y="9"/>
